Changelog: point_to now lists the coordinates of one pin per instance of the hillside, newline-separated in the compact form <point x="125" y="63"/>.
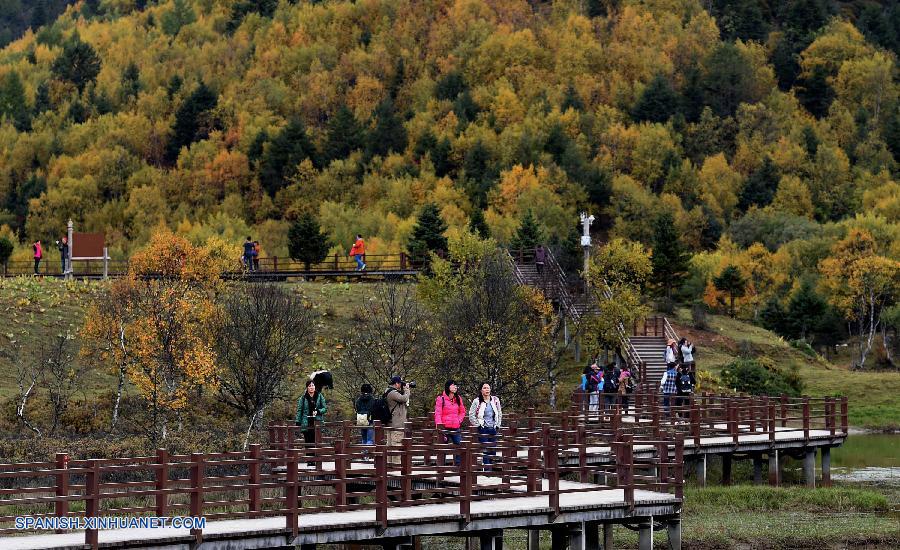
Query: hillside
<point x="738" y="138"/>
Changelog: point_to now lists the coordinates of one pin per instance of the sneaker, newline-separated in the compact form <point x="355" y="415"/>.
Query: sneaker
<point x="363" y="268"/>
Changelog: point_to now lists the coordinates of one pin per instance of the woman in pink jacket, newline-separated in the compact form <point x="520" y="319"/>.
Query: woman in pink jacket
<point x="449" y="412"/>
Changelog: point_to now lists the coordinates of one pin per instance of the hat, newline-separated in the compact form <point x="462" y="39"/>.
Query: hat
<point x="670" y="342"/>
<point x="594" y="364"/>
<point x="396" y="380"/>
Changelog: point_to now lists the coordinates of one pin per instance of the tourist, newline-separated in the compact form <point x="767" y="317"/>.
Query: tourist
<point x="248" y="254"/>
<point x="358" y="251"/>
<point x="486" y="413"/>
<point x="38" y="254"/>
<point x="594" y="382"/>
<point x="397" y="398"/>
<point x="667" y="385"/>
<point x="310" y="410"/>
<point x="610" y="385"/>
<point x="540" y="257"/>
<point x="686" y="347"/>
<point x="684" y="386"/>
<point x="363" y="408"/>
<point x="63" y="247"/>
<point x="256" y="251"/>
<point x="671" y="354"/>
<point x="626" y="387"/>
<point x="449" y="413"/>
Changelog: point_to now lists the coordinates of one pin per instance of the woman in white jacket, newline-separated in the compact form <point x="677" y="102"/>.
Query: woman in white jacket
<point x="486" y="413"/>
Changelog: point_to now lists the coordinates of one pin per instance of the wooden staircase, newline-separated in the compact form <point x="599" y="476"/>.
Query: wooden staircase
<point x="644" y="348"/>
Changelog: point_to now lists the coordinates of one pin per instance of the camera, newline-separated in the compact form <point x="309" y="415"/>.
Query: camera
<point x="411" y="384"/>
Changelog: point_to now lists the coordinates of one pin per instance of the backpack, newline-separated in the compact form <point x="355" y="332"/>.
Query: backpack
<point x="629" y="383"/>
<point x="611" y="381"/>
<point x="380" y="409"/>
<point x="686" y="385"/>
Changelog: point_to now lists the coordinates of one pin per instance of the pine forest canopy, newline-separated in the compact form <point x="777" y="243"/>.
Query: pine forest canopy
<point x="766" y="131"/>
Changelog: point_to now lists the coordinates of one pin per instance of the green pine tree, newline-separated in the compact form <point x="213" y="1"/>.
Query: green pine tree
<point x="761" y="186"/>
<point x="180" y="15"/>
<point x="427" y="236"/>
<point x="528" y="235"/>
<point x="189" y="121"/>
<point x="669" y="258"/>
<point x="306" y="241"/>
<point x="131" y="82"/>
<point x="343" y="136"/>
<point x="388" y="134"/>
<point x="805" y="310"/>
<point x="479" y="173"/>
<point x="477" y="225"/>
<point x="441" y="158"/>
<point x="280" y="159"/>
<point x="658" y="102"/>
<point x="571" y="100"/>
<point x="78" y="63"/>
<point x="13" y="104"/>
<point x="731" y="282"/>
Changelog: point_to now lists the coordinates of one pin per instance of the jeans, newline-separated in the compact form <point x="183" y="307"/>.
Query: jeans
<point x="62" y="262"/>
<point x="488" y="438"/>
<point x="625" y="400"/>
<point x="37" y="265"/>
<point x="309" y="437"/>
<point x="455" y="437"/>
<point x="368" y="436"/>
<point x="667" y="402"/>
<point x="359" y="261"/>
<point x="248" y="261"/>
<point x="609" y="401"/>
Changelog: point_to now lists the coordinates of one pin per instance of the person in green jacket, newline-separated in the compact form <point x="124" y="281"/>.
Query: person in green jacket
<point x="311" y="408"/>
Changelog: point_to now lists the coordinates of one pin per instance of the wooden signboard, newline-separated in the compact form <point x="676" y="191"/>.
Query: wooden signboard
<point x="88" y="245"/>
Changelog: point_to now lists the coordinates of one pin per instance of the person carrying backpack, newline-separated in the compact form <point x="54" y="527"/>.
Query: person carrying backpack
<point x="363" y="408"/>
<point x="392" y="410"/>
<point x="311" y="408"/>
<point x="668" y="387"/>
<point x="449" y="413"/>
<point x="684" y="386"/>
<point x="486" y="413"/>
<point x="610" y="385"/>
<point x="626" y="387"/>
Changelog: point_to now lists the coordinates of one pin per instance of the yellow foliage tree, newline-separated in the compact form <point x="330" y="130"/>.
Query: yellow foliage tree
<point x="160" y="328"/>
<point x="860" y="284"/>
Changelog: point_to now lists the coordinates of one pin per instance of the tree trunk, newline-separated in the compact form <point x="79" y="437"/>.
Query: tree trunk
<point x="731" y="305"/>
<point x="119" y="389"/>
<point x="253" y="419"/>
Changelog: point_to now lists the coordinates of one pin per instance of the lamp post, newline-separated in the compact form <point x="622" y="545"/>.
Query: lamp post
<point x="586" y="221"/>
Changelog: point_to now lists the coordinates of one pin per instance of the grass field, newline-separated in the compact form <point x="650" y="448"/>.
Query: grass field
<point x="33" y="310"/>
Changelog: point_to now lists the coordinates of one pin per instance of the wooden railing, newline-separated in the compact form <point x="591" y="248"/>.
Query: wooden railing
<point x="268" y="482"/>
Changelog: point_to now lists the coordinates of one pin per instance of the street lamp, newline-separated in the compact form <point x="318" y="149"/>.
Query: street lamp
<point x="586" y="222"/>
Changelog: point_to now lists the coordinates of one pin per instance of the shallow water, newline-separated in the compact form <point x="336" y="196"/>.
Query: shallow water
<point x="868" y="458"/>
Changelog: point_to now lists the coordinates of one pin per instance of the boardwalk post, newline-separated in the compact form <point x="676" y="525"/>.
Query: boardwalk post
<point x="784" y="411"/>
<point x="406" y="469"/>
<point x="673" y="529"/>
<point x="726" y="470"/>
<point x="844" y="414"/>
<point x="198" y="470"/>
<point x="61" y="507"/>
<point x="254" y="470"/>
<point x="826" y="466"/>
<point x="552" y="460"/>
<point x="607" y="536"/>
<point x="290" y="493"/>
<point x="809" y="467"/>
<point x="629" y="470"/>
<point x="757" y="468"/>
<point x="773" y="467"/>
<point x="806" y="420"/>
<point x="645" y="535"/>
<point x="162" y="479"/>
<point x="466" y="479"/>
<point x="701" y="470"/>
<point x="679" y="466"/>
<point x="381" y="498"/>
<point x="92" y="501"/>
<point x="340" y="474"/>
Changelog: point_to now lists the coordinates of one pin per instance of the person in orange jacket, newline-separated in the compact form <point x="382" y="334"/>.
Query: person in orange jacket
<point x="358" y="250"/>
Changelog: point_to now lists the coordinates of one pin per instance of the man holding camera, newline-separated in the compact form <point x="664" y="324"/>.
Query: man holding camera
<point x="397" y="397"/>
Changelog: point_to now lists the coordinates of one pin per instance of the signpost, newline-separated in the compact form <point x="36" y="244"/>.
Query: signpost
<point x="87" y="246"/>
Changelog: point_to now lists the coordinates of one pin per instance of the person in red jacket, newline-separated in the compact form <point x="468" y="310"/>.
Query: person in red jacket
<point x="38" y="255"/>
<point x="358" y="250"/>
<point x="449" y="413"/>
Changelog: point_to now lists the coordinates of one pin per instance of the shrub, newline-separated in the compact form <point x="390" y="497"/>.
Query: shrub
<point x="761" y="377"/>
